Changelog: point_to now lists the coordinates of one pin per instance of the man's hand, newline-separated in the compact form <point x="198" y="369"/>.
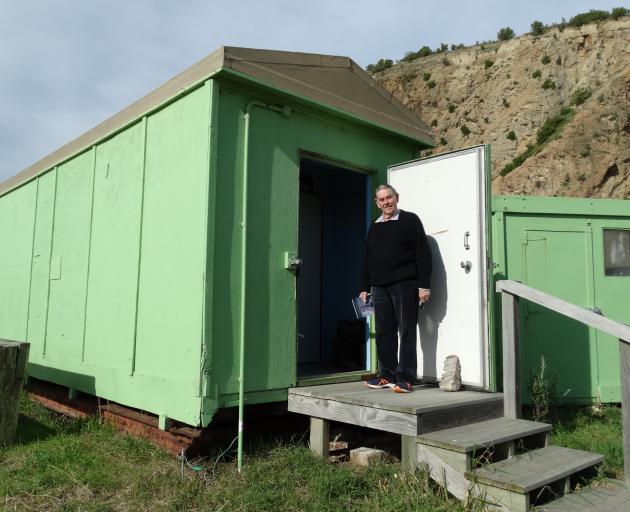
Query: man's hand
<point x="424" y="294"/>
<point x="363" y="296"/>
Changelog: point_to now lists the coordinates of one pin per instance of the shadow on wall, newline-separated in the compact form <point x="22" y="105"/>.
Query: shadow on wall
<point x="432" y="314"/>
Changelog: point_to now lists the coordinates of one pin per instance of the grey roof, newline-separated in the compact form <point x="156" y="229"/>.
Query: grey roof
<point x="330" y="81"/>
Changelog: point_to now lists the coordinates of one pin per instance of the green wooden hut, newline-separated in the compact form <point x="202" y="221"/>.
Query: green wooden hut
<point x="144" y="258"/>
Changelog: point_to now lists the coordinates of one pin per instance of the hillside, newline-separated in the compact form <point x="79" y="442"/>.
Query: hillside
<point x="573" y="81"/>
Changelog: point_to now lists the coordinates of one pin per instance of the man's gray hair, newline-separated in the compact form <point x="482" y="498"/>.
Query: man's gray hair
<point x="385" y="187"/>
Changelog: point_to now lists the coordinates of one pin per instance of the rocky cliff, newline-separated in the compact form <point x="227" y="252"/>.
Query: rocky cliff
<point x="558" y="103"/>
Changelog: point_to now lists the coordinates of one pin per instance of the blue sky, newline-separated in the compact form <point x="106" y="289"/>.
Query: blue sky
<point x="66" y="65"/>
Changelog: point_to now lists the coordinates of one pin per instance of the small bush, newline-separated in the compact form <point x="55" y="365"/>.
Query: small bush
<point x="431" y="84"/>
<point x="536" y="74"/>
<point x="487" y="120"/>
<point x="426" y="76"/>
<point x="442" y="48"/>
<point x="585" y="152"/>
<point x="545" y="59"/>
<point x="405" y="78"/>
<point x="518" y="160"/>
<point x="547" y="130"/>
<point x="618" y="12"/>
<point x="580" y="95"/>
<point x="561" y="26"/>
<point x="465" y="130"/>
<point x="422" y="52"/>
<point x="451" y="108"/>
<point x="505" y="34"/>
<point x="588" y="17"/>
<point x="581" y="177"/>
<point x="550" y="126"/>
<point x="457" y="46"/>
<point x="488" y="63"/>
<point x="505" y="103"/>
<point x="446" y="62"/>
<point x="381" y="65"/>
<point x="511" y="135"/>
<point x="443" y="141"/>
<point x="538" y="28"/>
<point x="548" y="84"/>
<point x="434" y="123"/>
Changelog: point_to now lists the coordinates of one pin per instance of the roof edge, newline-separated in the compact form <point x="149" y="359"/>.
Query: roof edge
<point x="192" y="78"/>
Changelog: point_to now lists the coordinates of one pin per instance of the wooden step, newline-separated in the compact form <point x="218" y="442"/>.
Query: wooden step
<point x="449" y="453"/>
<point x="520" y="481"/>
<point x="477" y="436"/>
<point x="610" y="496"/>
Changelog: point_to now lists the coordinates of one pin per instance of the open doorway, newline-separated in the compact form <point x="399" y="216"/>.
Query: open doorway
<point x="333" y="221"/>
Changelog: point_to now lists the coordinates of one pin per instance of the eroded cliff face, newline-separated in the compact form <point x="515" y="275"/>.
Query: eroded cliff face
<point x="482" y="93"/>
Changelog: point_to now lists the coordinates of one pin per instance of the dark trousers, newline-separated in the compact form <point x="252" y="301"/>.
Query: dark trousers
<point x="396" y="311"/>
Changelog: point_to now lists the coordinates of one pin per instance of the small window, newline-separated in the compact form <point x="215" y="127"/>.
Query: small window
<point x="617" y="252"/>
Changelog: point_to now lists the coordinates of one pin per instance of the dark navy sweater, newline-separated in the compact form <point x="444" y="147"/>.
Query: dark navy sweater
<point x="396" y="250"/>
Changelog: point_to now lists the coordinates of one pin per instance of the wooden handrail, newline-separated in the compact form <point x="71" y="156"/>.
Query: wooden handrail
<point x="511" y="292"/>
<point x="616" y="329"/>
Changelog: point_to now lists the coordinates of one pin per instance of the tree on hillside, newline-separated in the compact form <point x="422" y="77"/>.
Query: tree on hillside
<point x="538" y="27"/>
<point x="381" y="65"/>
<point x="505" y="33"/>
<point x="618" y="12"/>
<point x="588" y="17"/>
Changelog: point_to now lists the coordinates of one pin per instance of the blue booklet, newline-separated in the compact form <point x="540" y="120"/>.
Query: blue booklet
<point x="363" y="309"/>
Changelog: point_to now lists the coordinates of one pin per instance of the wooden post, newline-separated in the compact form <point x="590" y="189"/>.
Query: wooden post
<point x="624" y="363"/>
<point x="320" y="437"/>
<point x="408" y="452"/>
<point x="511" y="377"/>
<point x="13" y="357"/>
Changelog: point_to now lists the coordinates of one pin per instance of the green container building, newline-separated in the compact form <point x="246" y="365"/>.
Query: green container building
<point x="578" y="250"/>
<point x="122" y="252"/>
<point x="214" y="229"/>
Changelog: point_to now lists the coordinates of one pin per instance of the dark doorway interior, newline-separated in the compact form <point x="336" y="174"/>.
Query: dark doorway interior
<point x="333" y="220"/>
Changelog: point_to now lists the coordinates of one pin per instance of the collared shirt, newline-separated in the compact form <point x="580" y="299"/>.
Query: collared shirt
<point x="393" y="217"/>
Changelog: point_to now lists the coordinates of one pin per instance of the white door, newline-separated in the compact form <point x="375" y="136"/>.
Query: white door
<point x="448" y="193"/>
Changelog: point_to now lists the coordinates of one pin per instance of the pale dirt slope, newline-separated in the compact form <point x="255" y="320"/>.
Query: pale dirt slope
<point x="590" y="157"/>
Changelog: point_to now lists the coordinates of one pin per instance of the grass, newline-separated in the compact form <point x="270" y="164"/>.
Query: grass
<point x="61" y="464"/>
<point x="597" y="430"/>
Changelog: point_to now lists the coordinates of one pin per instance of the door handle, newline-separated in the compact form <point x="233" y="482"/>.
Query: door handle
<point x="466" y="244"/>
<point x="291" y="261"/>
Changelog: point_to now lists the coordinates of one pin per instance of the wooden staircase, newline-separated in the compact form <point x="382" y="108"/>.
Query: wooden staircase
<point x="469" y="445"/>
<point x="509" y="465"/>
<point x="507" y="462"/>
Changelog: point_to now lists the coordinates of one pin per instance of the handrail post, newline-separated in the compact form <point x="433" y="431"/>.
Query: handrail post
<point x="511" y="377"/>
<point x="624" y="364"/>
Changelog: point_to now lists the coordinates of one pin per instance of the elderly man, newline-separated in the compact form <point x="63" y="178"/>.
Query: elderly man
<point x="397" y="269"/>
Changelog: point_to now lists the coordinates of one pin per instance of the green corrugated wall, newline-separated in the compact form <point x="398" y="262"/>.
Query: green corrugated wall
<point x="113" y="244"/>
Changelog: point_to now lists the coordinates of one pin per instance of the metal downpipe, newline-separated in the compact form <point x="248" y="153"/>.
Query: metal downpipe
<point x="285" y="111"/>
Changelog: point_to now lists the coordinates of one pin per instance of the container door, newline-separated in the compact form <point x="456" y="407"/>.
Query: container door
<point x="558" y="261"/>
<point x="449" y="194"/>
